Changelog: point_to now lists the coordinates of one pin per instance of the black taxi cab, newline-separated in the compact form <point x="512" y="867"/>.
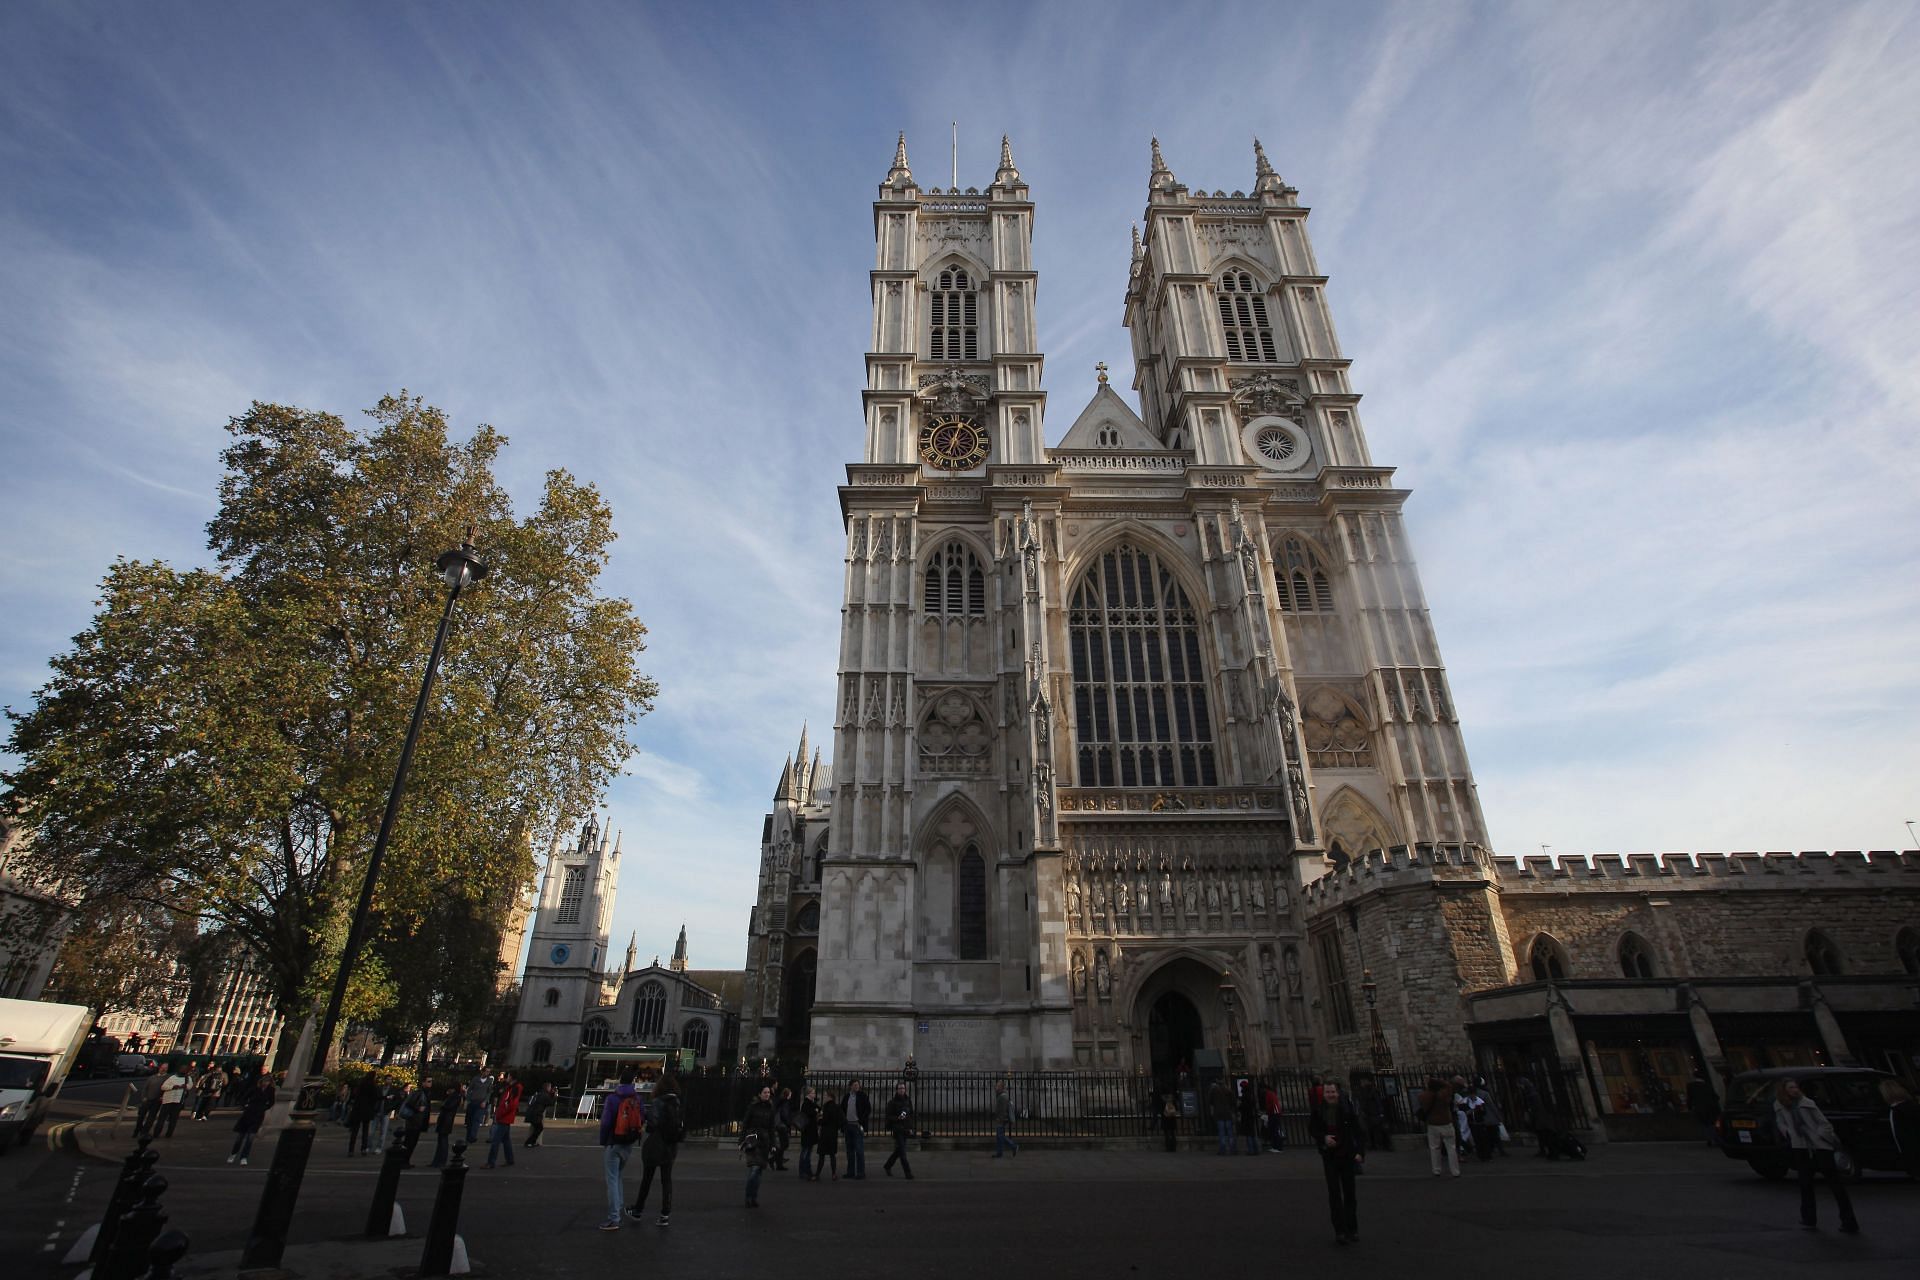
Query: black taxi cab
<point x="1849" y="1097"/>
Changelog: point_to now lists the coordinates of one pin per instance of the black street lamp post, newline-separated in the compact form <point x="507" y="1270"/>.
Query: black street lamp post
<point x="461" y="569"/>
<point x="1382" y="1051"/>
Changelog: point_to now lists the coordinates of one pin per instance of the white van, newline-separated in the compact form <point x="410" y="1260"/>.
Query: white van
<point x="38" y="1045"/>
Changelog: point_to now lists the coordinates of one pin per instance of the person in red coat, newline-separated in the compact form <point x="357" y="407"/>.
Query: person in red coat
<point x="506" y="1109"/>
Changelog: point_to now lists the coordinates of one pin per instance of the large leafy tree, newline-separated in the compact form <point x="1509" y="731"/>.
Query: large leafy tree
<point x="219" y="742"/>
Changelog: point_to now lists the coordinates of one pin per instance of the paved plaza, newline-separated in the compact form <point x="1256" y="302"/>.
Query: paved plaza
<point x="1632" y="1210"/>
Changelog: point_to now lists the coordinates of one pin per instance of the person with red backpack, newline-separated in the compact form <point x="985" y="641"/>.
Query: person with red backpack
<point x="621" y="1123"/>
<point x="506" y="1109"/>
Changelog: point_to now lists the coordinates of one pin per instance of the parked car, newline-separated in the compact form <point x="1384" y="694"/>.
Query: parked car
<point x="1850" y="1097"/>
<point x="39" y="1043"/>
<point x="135" y="1064"/>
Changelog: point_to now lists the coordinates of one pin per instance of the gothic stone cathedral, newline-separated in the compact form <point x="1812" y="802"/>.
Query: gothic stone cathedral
<point x="1103" y="707"/>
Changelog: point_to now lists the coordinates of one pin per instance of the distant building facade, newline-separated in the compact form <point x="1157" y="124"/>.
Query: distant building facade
<point x="567" y="970"/>
<point x="783" y="932"/>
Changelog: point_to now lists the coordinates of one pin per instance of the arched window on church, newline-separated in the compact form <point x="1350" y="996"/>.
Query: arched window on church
<point x="954" y="310"/>
<point x="1243" y="319"/>
<point x="649" y="1012"/>
<point x="956" y="586"/>
<point x="573" y="890"/>
<point x="1139" y="685"/>
<point x="1636" y="957"/>
<point x="596" y="1033"/>
<point x="542" y="1052"/>
<point x="1823" y="955"/>
<point x="973" y="905"/>
<point x="1301" y="580"/>
<point x="552" y="997"/>
<point x="1548" y="959"/>
<point x="694" y="1036"/>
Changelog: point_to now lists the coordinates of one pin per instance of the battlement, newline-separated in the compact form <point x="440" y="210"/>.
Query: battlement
<point x="1703" y="870"/>
<point x="1399" y="866"/>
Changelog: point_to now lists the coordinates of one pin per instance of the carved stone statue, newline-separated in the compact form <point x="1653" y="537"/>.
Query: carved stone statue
<point x="1257" y="893"/>
<point x="1166" y="890"/>
<point x="1213" y="894"/>
<point x="1295" y="982"/>
<point x="1190" y="896"/>
<point x="1102" y="975"/>
<point x="1269" y="976"/>
<point x="1280" y="899"/>
<point x="1099" y="895"/>
<point x="1122" y="900"/>
<point x="1030" y="546"/>
<point x="1233" y="894"/>
<point x="1079" y="976"/>
<point x="1073" y="899"/>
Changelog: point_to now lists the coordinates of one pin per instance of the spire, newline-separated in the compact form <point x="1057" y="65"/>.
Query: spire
<point x="1264" y="178"/>
<point x="800" y="756"/>
<point x="900" y="175"/>
<point x="1161" y="179"/>
<point x="1139" y="250"/>
<point x="679" y="962"/>
<point x="1008" y="176"/>
<point x="632" y="938"/>
<point x="813" y="775"/>
<point x="785" y="790"/>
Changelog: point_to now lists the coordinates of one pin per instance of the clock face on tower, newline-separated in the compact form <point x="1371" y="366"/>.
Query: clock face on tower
<point x="954" y="443"/>
<point x="560" y="952"/>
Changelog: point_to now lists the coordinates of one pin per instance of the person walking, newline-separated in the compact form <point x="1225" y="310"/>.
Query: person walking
<point x="1270" y="1109"/>
<point x="1220" y="1109"/>
<point x="415" y="1110"/>
<point x="832" y="1125"/>
<point x="253" y="1113"/>
<point x="173" y="1093"/>
<point x="1003" y="1117"/>
<point x="1248" y="1107"/>
<point x="443" y="1126"/>
<point x="1435" y="1109"/>
<point x="858" y="1109"/>
<point x="1462" y="1120"/>
<point x="479" y="1099"/>
<point x="756" y="1141"/>
<point x="537" y="1107"/>
<point x="809" y="1131"/>
<point x="621" y="1123"/>
<point x="1903" y="1117"/>
<point x="1496" y="1118"/>
<point x="366" y="1101"/>
<point x="1479" y="1119"/>
<point x="1338" y="1137"/>
<point x="1170" y="1119"/>
<point x="1805" y="1128"/>
<point x="666" y="1126"/>
<point x="149" y="1114"/>
<point x="782" y="1127"/>
<point x="900" y="1125"/>
<point x="506" y="1109"/>
<point x="390" y="1099"/>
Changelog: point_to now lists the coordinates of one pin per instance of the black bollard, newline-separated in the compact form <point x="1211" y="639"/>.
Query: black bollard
<point x="138" y="1227"/>
<point x="437" y="1258"/>
<point x="126" y="1190"/>
<point x="386" y="1188"/>
<point x="268" y="1239"/>
<point x="166" y="1250"/>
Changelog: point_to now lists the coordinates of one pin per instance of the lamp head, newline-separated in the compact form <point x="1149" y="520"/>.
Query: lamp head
<point x="461" y="567"/>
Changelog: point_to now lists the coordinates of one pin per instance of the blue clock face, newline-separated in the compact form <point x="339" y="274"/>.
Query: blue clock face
<point x="560" y="952"/>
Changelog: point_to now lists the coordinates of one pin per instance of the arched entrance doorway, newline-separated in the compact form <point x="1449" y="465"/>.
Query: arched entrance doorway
<point x="799" y="1012"/>
<point x="1173" y="1033"/>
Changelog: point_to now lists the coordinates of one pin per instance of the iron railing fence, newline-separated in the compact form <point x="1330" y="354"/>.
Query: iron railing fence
<point x="1102" y="1106"/>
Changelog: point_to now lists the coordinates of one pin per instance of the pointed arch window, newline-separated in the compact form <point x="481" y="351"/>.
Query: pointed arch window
<point x="1301" y="581"/>
<point x="1548" y="959"/>
<point x="649" y="1012"/>
<point x="694" y="1036"/>
<point x="954" y="310"/>
<point x="1139" y="685"/>
<point x="973" y="905"/>
<point x="1243" y="319"/>
<point x="955" y="585"/>
<point x="1823" y="955"/>
<point x="596" y="1033"/>
<point x="573" y="890"/>
<point x="1636" y="957"/>
<point x="542" y="1052"/>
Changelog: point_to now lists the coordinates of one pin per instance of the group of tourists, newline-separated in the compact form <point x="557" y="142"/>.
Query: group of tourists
<point x="375" y="1114"/>
<point x="655" y="1126"/>
<point x="184" y="1090"/>
<point x="1461" y="1117"/>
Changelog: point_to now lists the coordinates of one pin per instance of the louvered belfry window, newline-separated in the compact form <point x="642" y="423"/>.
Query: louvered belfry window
<point x="955" y="315"/>
<point x="955" y="584"/>
<point x="1243" y="317"/>
<point x="1139" y="685"/>
<point x="1301" y="584"/>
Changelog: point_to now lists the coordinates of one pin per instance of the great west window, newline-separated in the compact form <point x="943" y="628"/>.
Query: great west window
<point x="1139" y="686"/>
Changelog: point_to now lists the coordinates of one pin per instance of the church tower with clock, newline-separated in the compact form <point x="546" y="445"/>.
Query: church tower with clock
<point x="1104" y="707"/>
<point x="568" y="947"/>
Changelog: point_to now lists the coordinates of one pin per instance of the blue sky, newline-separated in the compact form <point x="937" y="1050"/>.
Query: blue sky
<point x="1633" y="292"/>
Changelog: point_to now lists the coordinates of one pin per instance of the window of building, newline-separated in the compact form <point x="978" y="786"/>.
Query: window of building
<point x="1301" y="579"/>
<point x="694" y="1036"/>
<point x="1139" y="686"/>
<point x="973" y="905"/>
<point x="1548" y="960"/>
<point x="1333" y="972"/>
<point x="1907" y="945"/>
<point x="542" y="1052"/>
<point x="596" y="1033"/>
<point x="1823" y="957"/>
<point x="649" y="1012"/>
<point x="954" y="308"/>
<point x="552" y="997"/>
<point x="1243" y="319"/>
<point x="955" y="584"/>
<point x="572" y="890"/>
<point x="808" y="921"/>
<point x="1636" y="957"/>
<point x="1108" y="437"/>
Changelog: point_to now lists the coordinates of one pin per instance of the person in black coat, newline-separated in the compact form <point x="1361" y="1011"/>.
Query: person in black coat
<point x="443" y="1126"/>
<point x="826" y="1152"/>
<point x="1336" y="1134"/>
<point x="366" y="1104"/>
<point x="900" y="1125"/>
<point x="809" y="1131"/>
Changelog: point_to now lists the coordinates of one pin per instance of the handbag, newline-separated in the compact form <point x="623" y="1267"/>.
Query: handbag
<point x="1842" y="1163"/>
<point x="1503" y="1134"/>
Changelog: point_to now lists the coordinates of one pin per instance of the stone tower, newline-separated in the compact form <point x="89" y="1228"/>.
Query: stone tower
<point x="563" y="978"/>
<point x="1104" y="706"/>
<point x="783" y="933"/>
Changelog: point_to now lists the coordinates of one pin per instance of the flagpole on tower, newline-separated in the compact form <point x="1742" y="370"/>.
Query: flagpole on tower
<point x="956" y="154"/>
